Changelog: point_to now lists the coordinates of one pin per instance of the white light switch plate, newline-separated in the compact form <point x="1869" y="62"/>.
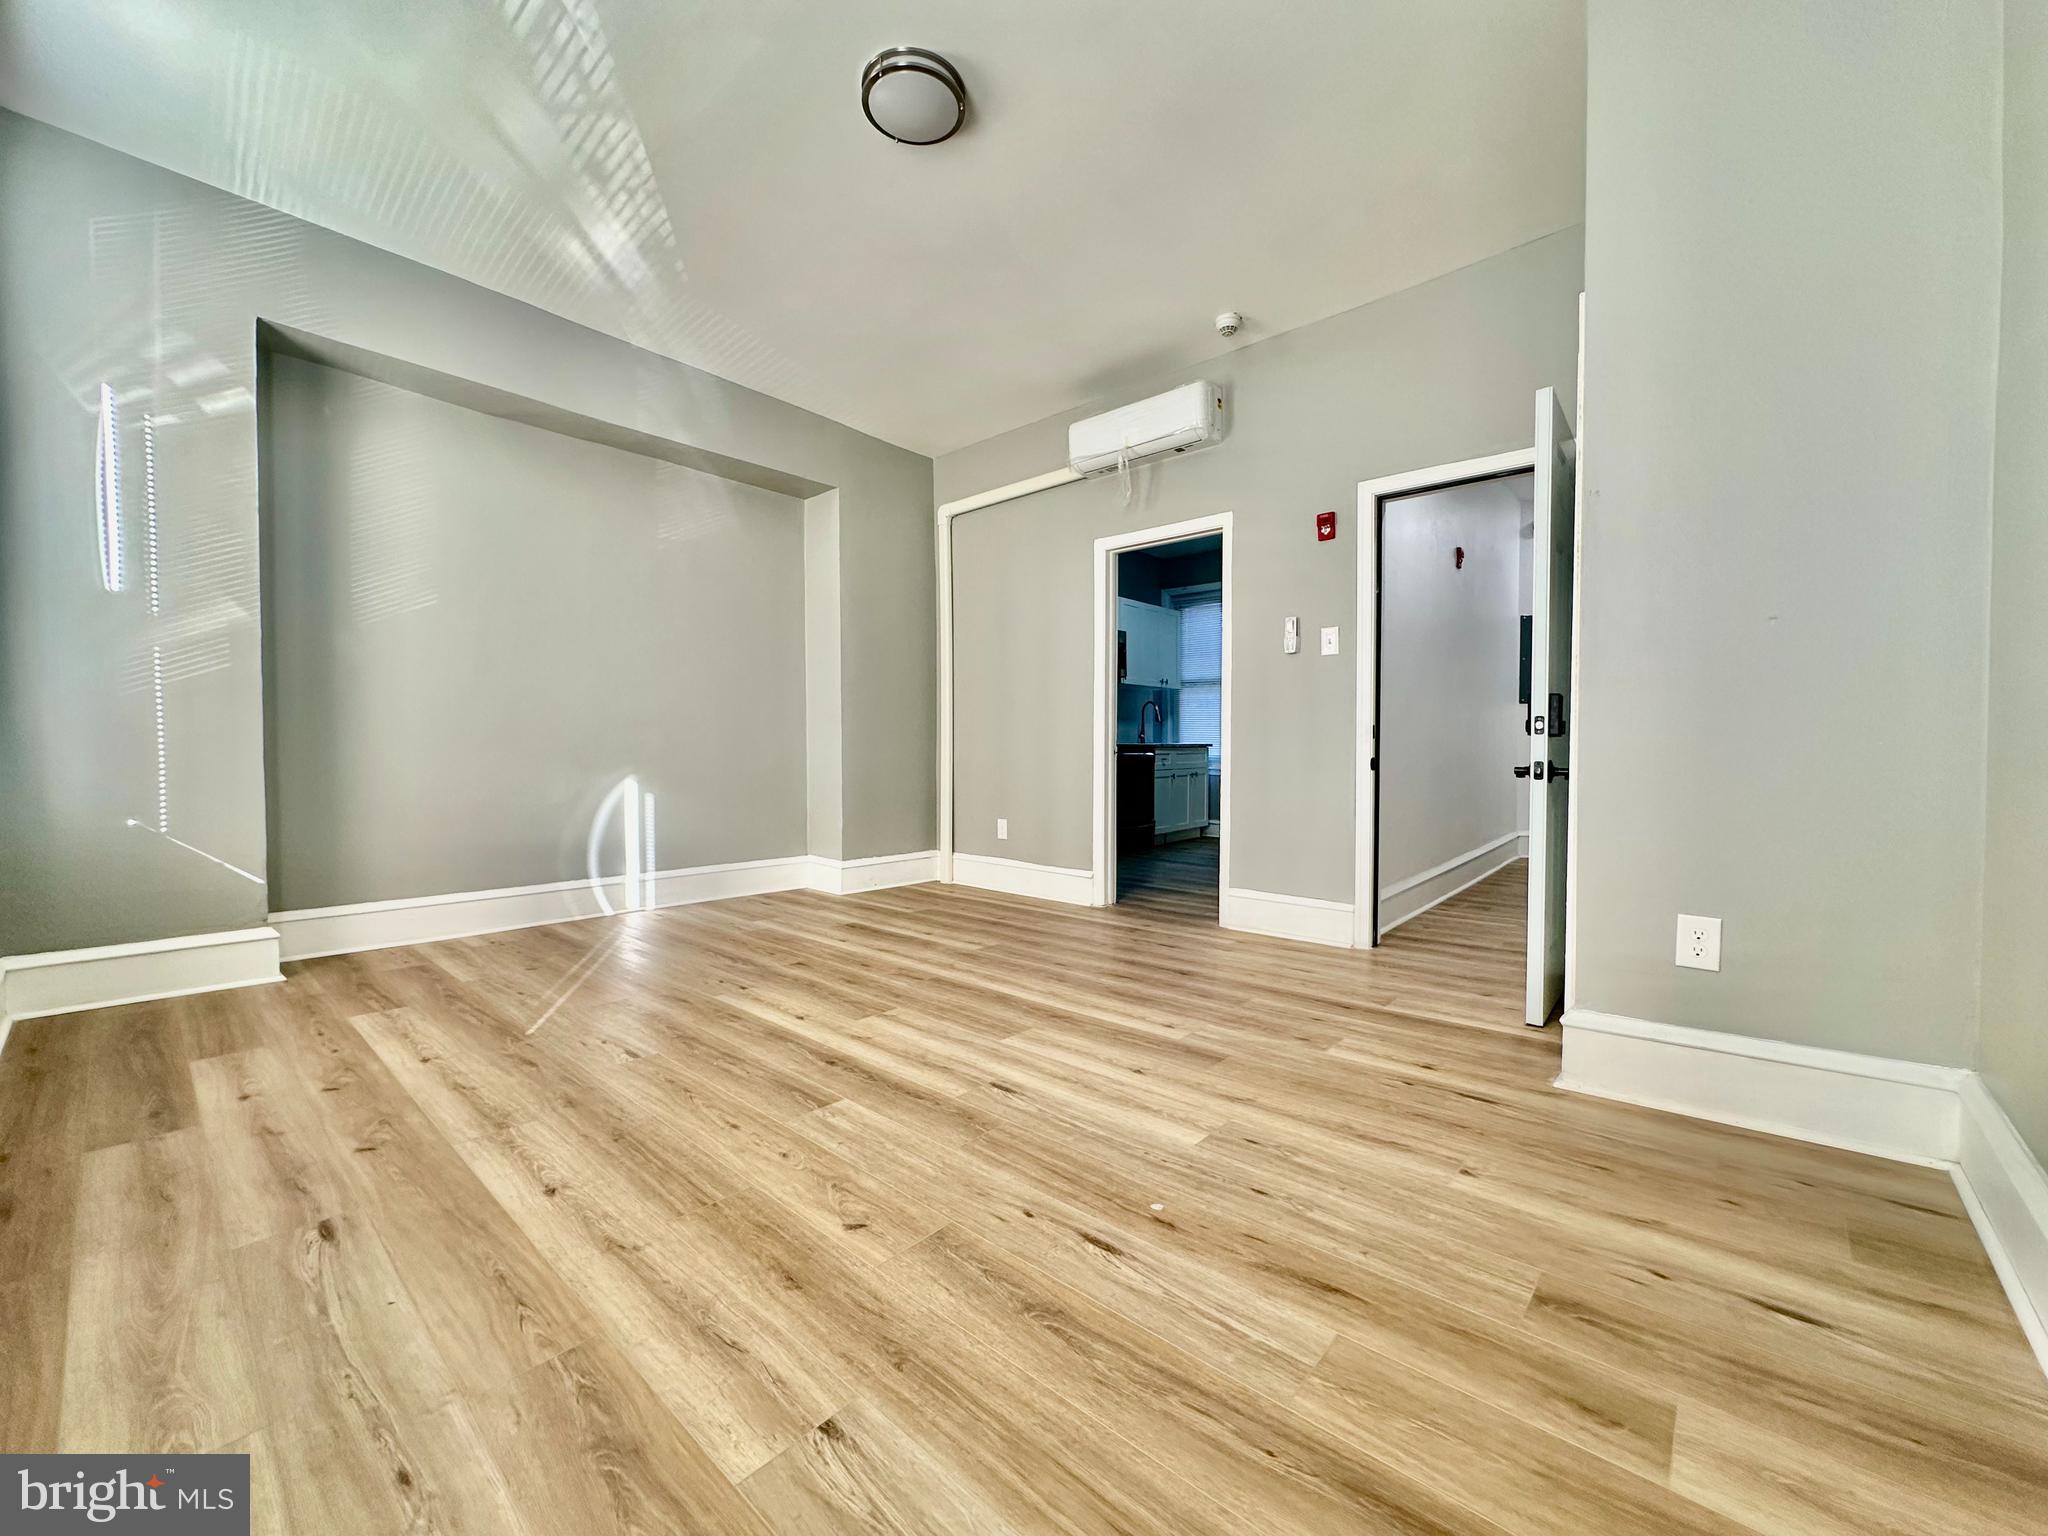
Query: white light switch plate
<point x="1290" y="636"/>
<point x="1003" y="828"/>
<point x="1699" y="942"/>
<point x="1329" y="639"/>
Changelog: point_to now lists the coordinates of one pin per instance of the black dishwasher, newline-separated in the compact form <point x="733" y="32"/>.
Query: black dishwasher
<point x="1134" y="789"/>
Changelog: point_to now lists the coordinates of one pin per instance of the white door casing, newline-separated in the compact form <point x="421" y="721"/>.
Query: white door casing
<point x="1372" y="494"/>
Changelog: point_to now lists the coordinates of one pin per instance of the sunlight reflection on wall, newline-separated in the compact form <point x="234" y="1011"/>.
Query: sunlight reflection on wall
<point x="390" y="553"/>
<point x="174" y="404"/>
<point x="628" y="813"/>
<point x="683" y="514"/>
<point x="131" y="727"/>
<point x="539" y="184"/>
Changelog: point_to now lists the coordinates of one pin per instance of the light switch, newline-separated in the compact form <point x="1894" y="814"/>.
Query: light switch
<point x="1290" y="636"/>
<point x="1002" y="829"/>
<point x="1329" y="639"/>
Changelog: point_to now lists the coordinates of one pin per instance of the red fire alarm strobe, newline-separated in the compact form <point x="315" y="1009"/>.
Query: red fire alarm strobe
<point x="1326" y="526"/>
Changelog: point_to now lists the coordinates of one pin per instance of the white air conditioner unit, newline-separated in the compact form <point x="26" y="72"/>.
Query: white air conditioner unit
<point x="1174" y="422"/>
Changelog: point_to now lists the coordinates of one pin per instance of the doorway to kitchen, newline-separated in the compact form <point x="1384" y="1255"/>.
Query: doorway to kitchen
<point x="1163" y="719"/>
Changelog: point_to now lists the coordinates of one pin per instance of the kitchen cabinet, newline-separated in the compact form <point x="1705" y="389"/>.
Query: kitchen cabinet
<point x="1162" y="792"/>
<point x="1180" y="790"/>
<point x="1151" y="644"/>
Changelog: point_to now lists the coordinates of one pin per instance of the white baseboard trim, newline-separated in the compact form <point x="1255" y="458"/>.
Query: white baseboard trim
<point x="317" y="931"/>
<point x="72" y="980"/>
<point x="1417" y="894"/>
<point x="1906" y="1110"/>
<point x="1288" y="917"/>
<point x="2006" y="1193"/>
<point x="846" y="877"/>
<point x="1044" y="882"/>
<point x="1940" y="1117"/>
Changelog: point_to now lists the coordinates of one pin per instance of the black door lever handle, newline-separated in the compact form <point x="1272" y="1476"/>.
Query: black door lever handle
<point x="1521" y="770"/>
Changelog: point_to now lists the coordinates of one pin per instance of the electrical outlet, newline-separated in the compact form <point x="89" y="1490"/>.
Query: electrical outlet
<point x="1699" y="942"/>
<point x="1329" y="639"/>
<point x="1003" y="829"/>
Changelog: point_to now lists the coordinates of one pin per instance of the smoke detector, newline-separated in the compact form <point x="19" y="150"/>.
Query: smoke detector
<point x="1229" y="323"/>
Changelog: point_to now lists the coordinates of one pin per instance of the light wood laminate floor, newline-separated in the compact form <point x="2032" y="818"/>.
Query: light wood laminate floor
<point x="938" y="1211"/>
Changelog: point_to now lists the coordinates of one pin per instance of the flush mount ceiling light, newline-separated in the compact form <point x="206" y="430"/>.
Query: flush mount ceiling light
<point x="913" y="95"/>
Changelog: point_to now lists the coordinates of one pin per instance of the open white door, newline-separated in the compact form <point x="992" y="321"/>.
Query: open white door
<point x="1550" y="704"/>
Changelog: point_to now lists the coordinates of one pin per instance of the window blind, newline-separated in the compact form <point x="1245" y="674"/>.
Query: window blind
<point x="1201" y="668"/>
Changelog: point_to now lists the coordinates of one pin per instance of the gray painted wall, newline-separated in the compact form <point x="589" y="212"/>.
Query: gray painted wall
<point x="111" y="269"/>
<point x="824" y="815"/>
<point x="478" y="627"/>
<point x="1450" y="646"/>
<point x="1791" y="274"/>
<point x="1446" y="370"/>
<point x="2013" y="1052"/>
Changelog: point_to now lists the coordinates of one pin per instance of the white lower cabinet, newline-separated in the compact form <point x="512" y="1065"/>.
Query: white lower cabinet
<point x="1180" y="790"/>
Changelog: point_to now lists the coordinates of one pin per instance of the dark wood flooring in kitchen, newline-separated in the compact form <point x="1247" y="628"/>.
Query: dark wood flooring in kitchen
<point x="1178" y="879"/>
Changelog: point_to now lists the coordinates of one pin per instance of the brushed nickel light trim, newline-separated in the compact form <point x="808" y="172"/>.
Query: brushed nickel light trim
<point x="910" y="120"/>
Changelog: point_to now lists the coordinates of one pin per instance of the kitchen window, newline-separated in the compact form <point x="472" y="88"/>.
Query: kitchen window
<point x="1201" y="666"/>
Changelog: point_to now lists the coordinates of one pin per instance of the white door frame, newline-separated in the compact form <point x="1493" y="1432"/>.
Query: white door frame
<point x="1571" y="788"/>
<point x="943" y="529"/>
<point x="1365" y="803"/>
<point x="1103" y="702"/>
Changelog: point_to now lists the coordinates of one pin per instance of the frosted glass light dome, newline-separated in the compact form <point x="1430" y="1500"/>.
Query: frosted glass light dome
<point x="913" y="95"/>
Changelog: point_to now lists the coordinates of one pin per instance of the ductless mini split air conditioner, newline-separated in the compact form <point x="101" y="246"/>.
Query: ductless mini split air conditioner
<point x="1180" y="419"/>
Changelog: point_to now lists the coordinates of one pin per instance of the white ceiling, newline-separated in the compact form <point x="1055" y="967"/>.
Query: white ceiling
<point x="696" y="176"/>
